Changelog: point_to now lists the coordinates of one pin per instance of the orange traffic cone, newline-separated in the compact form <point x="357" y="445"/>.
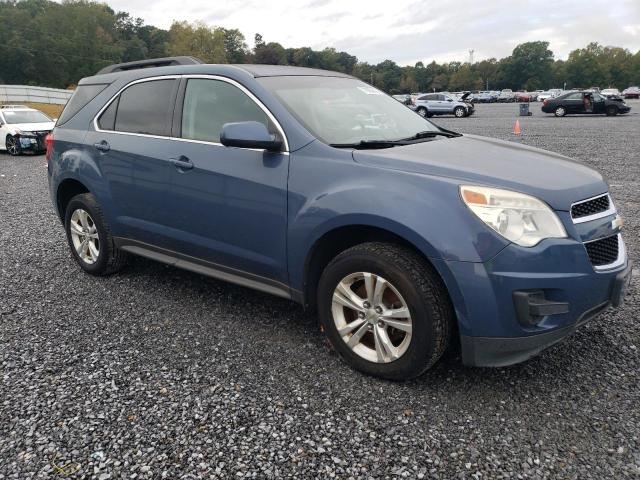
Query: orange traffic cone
<point x="516" y="128"/>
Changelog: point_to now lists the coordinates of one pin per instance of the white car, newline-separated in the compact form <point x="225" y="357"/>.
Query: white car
<point x="608" y="92"/>
<point x="23" y="129"/>
<point x="545" y="96"/>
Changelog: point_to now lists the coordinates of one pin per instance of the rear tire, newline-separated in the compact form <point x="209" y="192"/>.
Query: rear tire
<point x="89" y="237"/>
<point x="410" y="288"/>
<point x="611" y="111"/>
<point x="560" y="112"/>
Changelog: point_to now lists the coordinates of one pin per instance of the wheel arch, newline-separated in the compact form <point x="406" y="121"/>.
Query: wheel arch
<point x="339" y="238"/>
<point x="68" y="189"/>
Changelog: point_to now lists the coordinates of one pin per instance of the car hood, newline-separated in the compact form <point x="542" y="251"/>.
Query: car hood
<point x="34" y="127"/>
<point x="476" y="160"/>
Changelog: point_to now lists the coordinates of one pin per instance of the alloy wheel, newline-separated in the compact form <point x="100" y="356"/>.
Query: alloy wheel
<point x="12" y="146"/>
<point x="84" y="235"/>
<point x="372" y="317"/>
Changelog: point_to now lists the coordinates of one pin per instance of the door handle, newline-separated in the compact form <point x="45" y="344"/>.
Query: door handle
<point x="103" y="146"/>
<point x="182" y="163"/>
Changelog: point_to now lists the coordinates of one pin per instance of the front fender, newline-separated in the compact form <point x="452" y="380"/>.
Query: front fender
<point x="328" y="190"/>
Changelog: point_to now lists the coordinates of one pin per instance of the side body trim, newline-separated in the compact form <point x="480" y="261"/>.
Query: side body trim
<point x="206" y="268"/>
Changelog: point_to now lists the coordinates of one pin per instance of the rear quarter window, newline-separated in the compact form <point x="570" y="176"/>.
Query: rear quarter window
<point x="82" y="95"/>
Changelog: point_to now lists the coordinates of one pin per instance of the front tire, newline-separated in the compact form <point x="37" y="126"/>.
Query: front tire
<point x="560" y="112"/>
<point x="89" y="237"/>
<point x="611" y="111"/>
<point x="422" y="112"/>
<point x="385" y="310"/>
<point x="12" y="145"/>
<point x="459" y="112"/>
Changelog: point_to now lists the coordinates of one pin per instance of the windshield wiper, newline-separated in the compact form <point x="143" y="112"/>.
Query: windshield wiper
<point x="433" y="133"/>
<point x="365" y="144"/>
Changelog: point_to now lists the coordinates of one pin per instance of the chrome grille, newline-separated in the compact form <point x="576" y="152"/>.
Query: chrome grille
<point x="590" y="207"/>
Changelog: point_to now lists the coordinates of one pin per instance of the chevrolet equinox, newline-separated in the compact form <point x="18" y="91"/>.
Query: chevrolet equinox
<point x="317" y="187"/>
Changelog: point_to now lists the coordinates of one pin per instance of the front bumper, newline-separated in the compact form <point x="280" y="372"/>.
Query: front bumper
<point x="32" y="142"/>
<point x="565" y="291"/>
<point x="500" y="352"/>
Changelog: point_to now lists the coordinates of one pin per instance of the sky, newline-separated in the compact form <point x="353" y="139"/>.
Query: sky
<point x="407" y="31"/>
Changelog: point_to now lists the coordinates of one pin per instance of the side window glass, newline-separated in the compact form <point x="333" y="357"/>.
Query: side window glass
<point x="107" y="120"/>
<point x="145" y="108"/>
<point x="209" y="104"/>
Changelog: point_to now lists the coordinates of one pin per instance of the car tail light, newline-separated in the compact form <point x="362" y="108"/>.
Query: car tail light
<point x="545" y="103"/>
<point x="48" y="141"/>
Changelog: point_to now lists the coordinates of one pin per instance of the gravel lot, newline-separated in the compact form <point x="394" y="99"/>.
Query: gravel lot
<point x="160" y="373"/>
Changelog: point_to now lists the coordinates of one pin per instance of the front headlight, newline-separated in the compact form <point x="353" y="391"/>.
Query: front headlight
<point x="521" y="219"/>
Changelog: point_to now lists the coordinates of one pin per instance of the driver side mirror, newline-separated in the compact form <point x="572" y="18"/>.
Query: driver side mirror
<point x="449" y="100"/>
<point x="249" y="135"/>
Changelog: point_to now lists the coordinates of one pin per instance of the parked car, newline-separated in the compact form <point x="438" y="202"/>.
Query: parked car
<point x="524" y="97"/>
<point x="443" y="104"/>
<point x="484" y="97"/>
<point x="610" y="92"/>
<point x="584" y="102"/>
<point x="631" y="92"/>
<point x="544" y="96"/>
<point x="507" y="96"/>
<point x="23" y="129"/>
<point x="314" y="186"/>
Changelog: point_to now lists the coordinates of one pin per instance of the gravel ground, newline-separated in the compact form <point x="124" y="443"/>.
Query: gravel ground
<point x="160" y="373"/>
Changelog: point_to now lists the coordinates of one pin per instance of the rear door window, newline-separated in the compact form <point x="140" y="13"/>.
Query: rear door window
<point x="209" y="104"/>
<point x="144" y="108"/>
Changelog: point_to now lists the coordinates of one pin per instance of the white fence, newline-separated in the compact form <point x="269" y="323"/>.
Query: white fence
<point x="23" y="93"/>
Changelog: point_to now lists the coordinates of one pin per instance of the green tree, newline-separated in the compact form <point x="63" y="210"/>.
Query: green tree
<point x="529" y="66"/>
<point x="197" y="40"/>
<point x="235" y="46"/>
<point x="270" y="54"/>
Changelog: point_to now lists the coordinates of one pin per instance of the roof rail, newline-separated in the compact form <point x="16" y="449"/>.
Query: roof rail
<point x="13" y="106"/>
<point x="150" y="63"/>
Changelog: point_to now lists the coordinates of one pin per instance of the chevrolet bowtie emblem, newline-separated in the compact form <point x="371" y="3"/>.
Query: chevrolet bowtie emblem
<point x="617" y="223"/>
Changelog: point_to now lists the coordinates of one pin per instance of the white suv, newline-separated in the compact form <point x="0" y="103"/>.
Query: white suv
<point x="23" y="129"/>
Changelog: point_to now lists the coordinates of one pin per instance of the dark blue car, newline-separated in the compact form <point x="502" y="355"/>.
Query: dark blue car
<point x="314" y="186"/>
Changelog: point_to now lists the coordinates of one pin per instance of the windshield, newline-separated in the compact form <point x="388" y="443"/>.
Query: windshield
<point x="25" y="116"/>
<point x="345" y="110"/>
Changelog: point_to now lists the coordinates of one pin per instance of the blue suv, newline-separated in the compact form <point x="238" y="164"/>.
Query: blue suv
<point x="312" y="185"/>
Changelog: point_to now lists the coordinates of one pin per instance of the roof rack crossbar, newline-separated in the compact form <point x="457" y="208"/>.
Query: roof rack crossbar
<point x="150" y="63"/>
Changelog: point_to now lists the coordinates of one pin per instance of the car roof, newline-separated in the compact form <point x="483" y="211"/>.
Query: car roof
<point x="286" y="70"/>
<point x="255" y="71"/>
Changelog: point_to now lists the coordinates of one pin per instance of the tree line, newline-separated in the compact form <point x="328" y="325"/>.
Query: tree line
<point x="50" y="44"/>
